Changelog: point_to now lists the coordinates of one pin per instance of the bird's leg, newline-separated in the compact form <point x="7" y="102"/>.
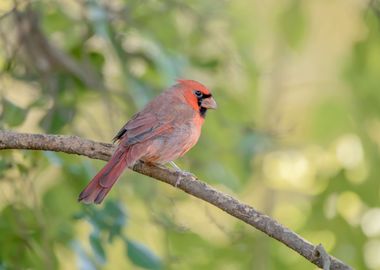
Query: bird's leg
<point x="175" y="166"/>
<point x="181" y="174"/>
<point x="154" y="164"/>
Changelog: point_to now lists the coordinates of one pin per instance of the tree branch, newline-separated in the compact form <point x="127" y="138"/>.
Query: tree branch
<point x="189" y="184"/>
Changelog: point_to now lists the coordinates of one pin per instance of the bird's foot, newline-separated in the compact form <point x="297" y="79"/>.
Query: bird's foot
<point x="161" y="166"/>
<point x="158" y="165"/>
<point x="182" y="175"/>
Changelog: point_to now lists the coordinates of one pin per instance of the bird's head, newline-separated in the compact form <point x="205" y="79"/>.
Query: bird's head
<point x="197" y="95"/>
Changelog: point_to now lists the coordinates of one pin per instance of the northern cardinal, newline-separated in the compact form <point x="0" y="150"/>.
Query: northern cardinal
<point x="164" y="130"/>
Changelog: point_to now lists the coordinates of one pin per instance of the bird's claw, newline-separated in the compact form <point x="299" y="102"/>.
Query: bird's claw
<point x="181" y="175"/>
<point x="178" y="181"/>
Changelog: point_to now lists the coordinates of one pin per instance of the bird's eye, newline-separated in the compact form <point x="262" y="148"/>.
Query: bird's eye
<point x="198" y="93"/>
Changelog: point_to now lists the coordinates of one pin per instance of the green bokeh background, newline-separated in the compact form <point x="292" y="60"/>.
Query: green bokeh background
<point x="296" y="135"/>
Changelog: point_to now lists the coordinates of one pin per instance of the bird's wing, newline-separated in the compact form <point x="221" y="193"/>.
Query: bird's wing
<point x="143" y="126"/>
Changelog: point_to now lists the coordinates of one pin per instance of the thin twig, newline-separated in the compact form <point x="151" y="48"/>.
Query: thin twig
<point x="189" y="184"/>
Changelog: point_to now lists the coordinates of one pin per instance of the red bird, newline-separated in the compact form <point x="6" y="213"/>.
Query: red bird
<point x="164" y="130"/>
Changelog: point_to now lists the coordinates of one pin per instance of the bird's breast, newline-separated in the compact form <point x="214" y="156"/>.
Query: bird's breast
<point x="174" y="145"/>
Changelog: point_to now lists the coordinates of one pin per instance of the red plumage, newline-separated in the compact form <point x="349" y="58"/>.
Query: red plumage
<point x="164" y="130"/>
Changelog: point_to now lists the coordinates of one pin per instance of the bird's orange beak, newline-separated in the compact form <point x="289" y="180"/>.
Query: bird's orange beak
<point x="209" y="103"/>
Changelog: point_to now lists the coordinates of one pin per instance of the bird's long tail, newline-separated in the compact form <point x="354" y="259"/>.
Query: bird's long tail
<point x="102" y="183"/>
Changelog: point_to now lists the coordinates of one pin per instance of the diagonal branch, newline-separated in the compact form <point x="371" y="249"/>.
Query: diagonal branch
<point x="189" y="184"/>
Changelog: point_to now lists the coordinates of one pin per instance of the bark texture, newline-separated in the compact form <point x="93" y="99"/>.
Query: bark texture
<point x="188" y="183"/>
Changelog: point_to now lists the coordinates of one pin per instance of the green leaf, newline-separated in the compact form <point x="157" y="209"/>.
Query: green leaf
<point x="97" y="60"/>
<point x="21" y="230"/>
<point x="292" y="24"/>
<point x="110" y="219"/>
<point x="57" y="118"/>
<point x="141" y="256"/>
<point x="118" y="216"/>
<point x="12" y="114"/>
<point x="97" y="247"/>
<point x="4" y="165"/>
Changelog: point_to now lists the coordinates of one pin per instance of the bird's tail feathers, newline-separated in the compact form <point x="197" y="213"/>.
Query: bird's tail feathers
<point x="103" y="181"/>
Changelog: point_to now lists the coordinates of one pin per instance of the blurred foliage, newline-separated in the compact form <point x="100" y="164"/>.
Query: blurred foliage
<point x="297" y="134"/>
